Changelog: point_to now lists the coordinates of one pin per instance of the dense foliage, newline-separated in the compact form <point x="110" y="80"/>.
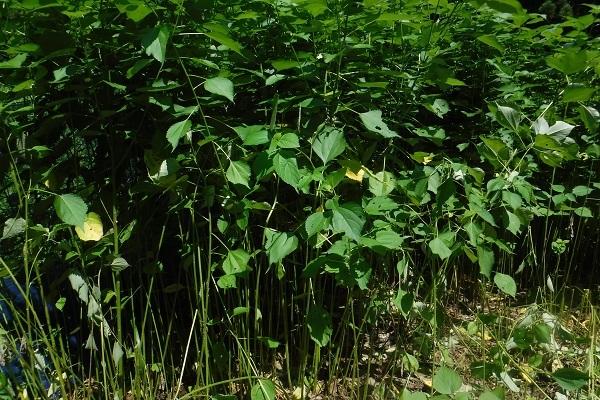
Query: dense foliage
<point x="238" y="194"/>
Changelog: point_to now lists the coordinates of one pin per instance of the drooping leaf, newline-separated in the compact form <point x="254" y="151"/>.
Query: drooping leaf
<point x="71" y="209"/>
<point x="570" y="378"/>
<point x="506" y="283"/>
<point x="320" y="325"/>
<point x="155" y="42"/>
<point x="447" y="381"/>
<point x="136" y="10"/>
<point x="177" y="131"/>
<point x="220" y="86"/>
<point x="439" y="248"/>
<point x="329" y="144"/>
<point x="590" y="117"/>
<point x="373" y="122"/>
<point x="485" y="256"/>
<point x="573" y="93"/>
<point x="286" y="167"/>
<point x="569" y="63"/>
<point x="92" y="228"/>
<point x="236" y="262"/>
<point x="279" y="245"/>
<point x="238" y="173"/>
<point x="380" y="205"/>
<point x="349" y="219"/>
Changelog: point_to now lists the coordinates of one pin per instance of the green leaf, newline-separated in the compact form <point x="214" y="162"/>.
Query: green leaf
<point x="177" y="131"/>
<point x="71" y="209"/>
<point x="511" y="117"/>
<point x="570" y="63"/>
<point x="576" y="92"/>
<point x="373" y="122"/>
<point x="315" y="223"/>
<point x="279" y="245"/>
<point x="136" y="10"/>
<point x="252" y="135"/>
<point x="240" y="311"/>
<point x="582" y="190"/>
<point x="379" y="205"/>
<point x="570" y="378"/>
<point x="13" y="227"/>
<point x="225" y="41"/>
<point x="506" y="283"/>
<point x="286" y="167"/>
<point x="320" y="325"/>
<point x="155" y="42"/>
<point x="271" y="343"/>
<point x="238" y="173"/>
<point x="329" y="144"/>
<point x="382" y="183"/>
<point x="485" y="256"/>
<point x="512" y="222"/>
<point x="590" y="117"/>
<point x="349" y="219"/>
<point x="492" y="41"/>
<point x="389" y="239"/>
<point x="227" y="282"/>
<point x="496" y="394"/>
<point x="236" y="262"/>
<point x="447" y="381"/>
<point x="263" y="390"/>
<point x="14" y="62"/>
<point x="504" y="6"/>
<point x="286" y="141"/>
<point x="281" y="65"/>
<point x="220" y="86"/>
<point x="438" y="247"/>
<point x="473" y="230"/>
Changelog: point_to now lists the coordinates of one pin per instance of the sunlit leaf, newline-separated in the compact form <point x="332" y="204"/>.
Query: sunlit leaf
<point x="238" y="172"/>
<point x="71" y="209"/>
<point x="373" y="122"/>
<point x="570" y="378"/>
<point x="279" y="245"/>
<point x="349" y="219"/>
<point x="447" y="381"/>
<point x="92" y="228"/>
<point x="286" y="167"/>
<point x="177" y="131"/>
<point x="329" y="144"/>
<point x="220" y="86"/>
<point x="155" y="42"/>
<point x="264" y="389"/>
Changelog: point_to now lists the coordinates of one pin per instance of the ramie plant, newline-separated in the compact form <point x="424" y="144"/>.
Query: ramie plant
<point x="269" y="197"/>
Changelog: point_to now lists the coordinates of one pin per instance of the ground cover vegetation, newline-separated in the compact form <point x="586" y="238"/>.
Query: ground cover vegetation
<point x="388" y="199"/>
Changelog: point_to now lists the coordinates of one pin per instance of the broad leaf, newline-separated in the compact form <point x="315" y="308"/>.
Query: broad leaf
<point x="220" y="86"/>
<point x="92" y="228"/>
<point x="236" y="262"/>
<point x="71" y="209"/>
<point x="155" y="42"/>
<point x="177" y="131"/>
<point x="373" y="122"/>
<point x="439" y="248"/>
<point x="253" y="135"/>
<point x="286" y="167"/>
<point x="320" y="325"/>
<point x="485" y="256"/>
<point x="447" y="381"/>
<point x="263" y="390"/>
<point x="279" y="245"/>
<point x="570" y="378"/>
<point x="238" y="173"/>
<point x="329" y="144"/>
<point x="349" y="219"/>
<point x="225" y="41"/>
<point x="315" y="223"/>
<point x="506" y="283"/>
<point x="13" y="227"/>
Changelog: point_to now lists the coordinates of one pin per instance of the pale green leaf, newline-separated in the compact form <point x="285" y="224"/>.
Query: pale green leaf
<point x="155" y="42"/>
<point x="329" y="144"/>
<point x="177" y="131"/>
<point x="447" y="381"/>
<point x="220" y="86"/>
<point x="438" y="247"/>
<point x="286" y="167"/>
<point x="236" y="262"/>
<point x="506" y="283"/>
<point x="238" y="173"/>
<point x="373" y="122"/>
<point x="348" y="218"/>
<point x="279" y="245"/>
<point x="71" y="209"/>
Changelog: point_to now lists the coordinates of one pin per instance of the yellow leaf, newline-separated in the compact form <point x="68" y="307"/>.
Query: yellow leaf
<point x="92" y="228"/>
<point x="355" y="176"/>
